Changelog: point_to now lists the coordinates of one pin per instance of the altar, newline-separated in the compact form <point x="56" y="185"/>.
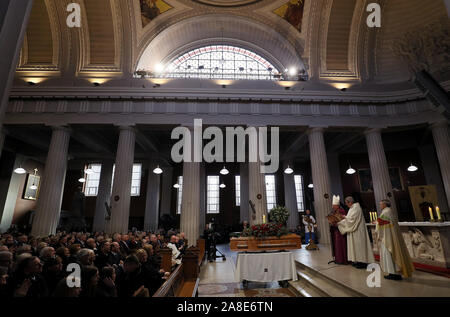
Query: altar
<point x="428" y="244"/>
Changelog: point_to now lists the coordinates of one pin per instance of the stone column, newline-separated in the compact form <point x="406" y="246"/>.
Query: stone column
<point x="441" y="138"/>
<point x="48" y="208"/>
<point x="202" y="197"/>
<point x="7" y="213"/>
<point x="103" y="196"/>
<point x="121" y="192"/>
<point x="244" y="208"/>
<point x="167" y="189"/>
<point x="321" y="181"/>
<point x="13" y="27"/>
<point x="257" y="192"/>
<point x="190" y="204"/>
<point x="290" y="198"/>
<point x="382" y="185"/>
<point x="151" y="217"/>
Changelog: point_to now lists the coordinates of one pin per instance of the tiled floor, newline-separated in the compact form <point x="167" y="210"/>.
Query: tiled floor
<point x="217" y="280"/>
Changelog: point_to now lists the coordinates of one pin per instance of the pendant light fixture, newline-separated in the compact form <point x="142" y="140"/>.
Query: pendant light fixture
<point x="224" y="171"/>
<point x="288" y="170"/>
<point x="412" y="168"/>
<point x="157" y="170"/>
<point x="350" y="170"/>
<point x="310" y="186"/>
<point x="20" y="170"/>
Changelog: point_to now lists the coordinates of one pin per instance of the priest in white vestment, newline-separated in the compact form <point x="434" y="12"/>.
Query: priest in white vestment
<point x="394" y="256"/>
<point x="175" y="252"/>
<point x="359" y="249"/>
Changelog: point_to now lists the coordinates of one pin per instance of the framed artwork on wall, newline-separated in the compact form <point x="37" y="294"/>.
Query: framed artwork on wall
<point x="32" y="185"/>
<point x="365" y="180"/>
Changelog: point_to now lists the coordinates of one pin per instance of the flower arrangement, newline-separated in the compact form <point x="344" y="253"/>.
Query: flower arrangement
<point x="279" y="214"/>
<point x="265" y="230"/>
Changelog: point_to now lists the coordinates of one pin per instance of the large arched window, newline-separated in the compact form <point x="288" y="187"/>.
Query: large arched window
<point x="221" y="62"/>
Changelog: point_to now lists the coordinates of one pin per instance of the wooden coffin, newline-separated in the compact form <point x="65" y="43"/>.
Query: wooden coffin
<point x="252" y="244"/>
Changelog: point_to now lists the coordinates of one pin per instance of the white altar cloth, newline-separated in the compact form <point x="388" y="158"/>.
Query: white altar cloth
<point x="266" y="267"/>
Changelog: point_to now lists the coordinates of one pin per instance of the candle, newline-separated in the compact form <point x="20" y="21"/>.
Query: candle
<point x="438" y="212"/>
<point x="375" y="216"/>
<point x="371" y="216"/>
<point x="431" y="213"/>
<point x="264" y="218"/>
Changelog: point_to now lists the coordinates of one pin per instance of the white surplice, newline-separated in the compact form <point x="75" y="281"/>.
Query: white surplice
<point x="359" y="248"/>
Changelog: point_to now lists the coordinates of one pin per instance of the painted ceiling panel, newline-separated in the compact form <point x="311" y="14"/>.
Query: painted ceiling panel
<point x="39" y="35"/>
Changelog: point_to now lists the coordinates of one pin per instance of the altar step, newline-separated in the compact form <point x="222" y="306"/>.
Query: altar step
<point x="312" y="283"/>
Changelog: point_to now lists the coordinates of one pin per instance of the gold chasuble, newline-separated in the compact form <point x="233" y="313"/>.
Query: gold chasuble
<point x="390" y="236"/>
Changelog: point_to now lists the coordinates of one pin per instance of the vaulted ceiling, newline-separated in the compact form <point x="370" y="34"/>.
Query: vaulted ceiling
<point x="328" y="37"/>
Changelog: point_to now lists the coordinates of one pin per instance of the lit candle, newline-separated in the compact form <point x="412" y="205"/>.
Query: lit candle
<point x="371" y="216"/>
<point x="375" y="216"/>
<point x="264" y="218"/>
<point x="438" y="212"/>
<point x="431" y="213"/>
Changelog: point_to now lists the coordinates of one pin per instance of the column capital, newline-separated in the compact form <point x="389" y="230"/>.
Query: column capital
<point x="439" y="124"/>
<point x="63" y="128"/>
<point x="372" y="131"/>
<point x="126" y="127"/>
<point x="315" y="129"/>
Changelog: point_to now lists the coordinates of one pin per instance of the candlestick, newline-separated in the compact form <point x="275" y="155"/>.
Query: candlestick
<point x="438" y="212"/>
<point x="431" y="214"/>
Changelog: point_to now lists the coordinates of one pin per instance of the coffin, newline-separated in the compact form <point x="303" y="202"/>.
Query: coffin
<point x="252" y="244"/>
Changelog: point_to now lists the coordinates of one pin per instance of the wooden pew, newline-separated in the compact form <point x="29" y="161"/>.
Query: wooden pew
<point x="166" y="259"/>
<point x="201" y="244"/>
<point x="184" y="280"/>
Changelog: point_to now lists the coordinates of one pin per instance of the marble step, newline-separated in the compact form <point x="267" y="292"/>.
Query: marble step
<point x="312" y="283"/>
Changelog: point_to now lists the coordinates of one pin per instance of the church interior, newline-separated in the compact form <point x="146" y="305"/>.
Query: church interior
<point x="224" y="148"/>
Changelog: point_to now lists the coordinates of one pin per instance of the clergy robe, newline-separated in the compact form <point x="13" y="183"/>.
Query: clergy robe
<point x="339" y="242"/>
<point x="394" y="256"/>
<point x="358" y="243"/>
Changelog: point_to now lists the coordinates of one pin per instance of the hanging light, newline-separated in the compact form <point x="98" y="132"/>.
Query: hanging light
<point x="176" y="186"/>
<point x="222" y="185"/>
<point x="412" y="168"/>
<point x="288" y="170"/>
<point x="89" y="171"/>
<point x="350" y="171"/>
<point x="310" y="186"/>
<point x="157" y="170"/>
<point x="33" y="187"/>
<point x="224" y="171"/>
<point x="82" y="180"/>
<point x="20" y="171"/>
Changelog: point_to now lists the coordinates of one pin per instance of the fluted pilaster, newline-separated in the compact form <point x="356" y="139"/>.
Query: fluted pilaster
<point x="121" y="193"/>
<point x="190" y="205"/>
<point x="321" y="181"/>
<point x="441" y="136"/>
<point x="257" y="188"/>
<point x="103" y="196"/>
<point x="48" y="207"/>
<point x="167" y="190"/>
<point x="382" y="185"/>
<point x="290" y="198"/>
<point x="244" y="208"/>
<point x="151" y="217"/>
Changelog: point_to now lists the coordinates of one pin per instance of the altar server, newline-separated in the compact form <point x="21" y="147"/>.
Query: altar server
<point x="359" y="250"/>
<point x="338" y="240"/>
<point x="310" y="224"/>
<point x="394" y="256"/>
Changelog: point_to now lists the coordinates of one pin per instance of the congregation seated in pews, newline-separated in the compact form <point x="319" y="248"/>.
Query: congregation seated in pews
<point x="137" y="264"/>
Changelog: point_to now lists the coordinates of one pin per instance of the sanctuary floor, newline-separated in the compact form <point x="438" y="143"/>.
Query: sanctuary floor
<point x="218" y="280"/>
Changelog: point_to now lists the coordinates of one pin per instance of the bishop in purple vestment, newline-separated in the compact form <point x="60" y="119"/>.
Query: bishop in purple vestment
<point x="339" y="241"/>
